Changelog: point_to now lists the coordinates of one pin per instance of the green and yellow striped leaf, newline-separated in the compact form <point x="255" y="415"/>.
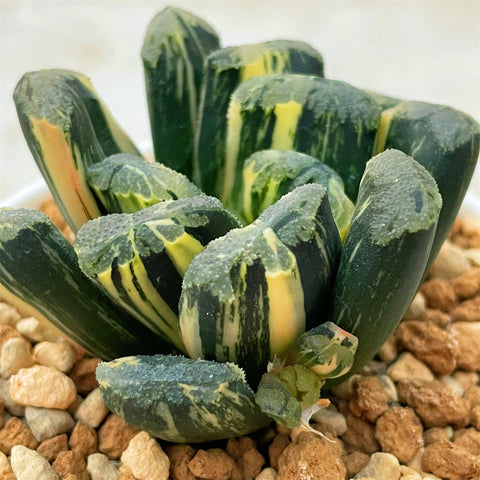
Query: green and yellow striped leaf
<point x="68" y="128"/>
<point x="269" y="174"/>
<point x="251" y="293"/>
<point x="139" y="259"/>
<point x="126" y="183"/>
<point x="445" y="141"/>
<point x="385" y="251"/>
<point x="174" y="50"/>
<point x="39" y="267"/>
<point x="225" y="70"/>
<point x="180" y="400"/>
<point x="327" y="119"/>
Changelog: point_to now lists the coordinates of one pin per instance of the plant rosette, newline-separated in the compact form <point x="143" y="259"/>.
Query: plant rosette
<point x="262" y="257"/>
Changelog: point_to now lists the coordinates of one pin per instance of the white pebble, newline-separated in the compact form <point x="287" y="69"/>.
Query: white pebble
<point x="8" y="315"/>
<point x="380" y="467"/>
<point x="145" y="458"/>
<point x="453" y="385"/>
<point x="48" y="422"/>
<point x="28" y="465"/>
<point x="92" y="410"/>
<point x="333" y="419"/>
<point x="473" y="255"/>
<point x="389" y="387"/>
<point x="58" y="355"/>
<point x="38" y="331"/>
<point x="417" y="308"/>
<point x="41" y="386"/>
<point x="16" y="353"/>
<point x="12" y="407"/>
<point x="101" y="468"/>
<point x="450" y="262"/>
<point x="267" y="474"/>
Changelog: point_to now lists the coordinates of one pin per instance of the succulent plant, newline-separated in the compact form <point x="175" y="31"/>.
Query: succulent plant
<point x="345" y="197"/>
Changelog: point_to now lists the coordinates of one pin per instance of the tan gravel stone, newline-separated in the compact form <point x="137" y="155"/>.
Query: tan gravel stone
<point x="311" y="456"/>
<point x="437" y="317"/>
<point x="92" y="410"/>
<point x="467" y="311"/>
<point x="475" y="417"/>
<point x="267" y="474"/>
<point x="388" y="351"/>
<point x="473" y="394"/>
<point x="369" y="400"/>
<point x="408" y="367"/>
<point x="439" y="294"/>
<point x="8" y="315"/>
<point x="6" y="332"/>
<point x="453" y="385"/>
<point x="399" y="432"/>
<point x="16" y="353"/>
<point x="40" y="386"/>
<point x="58" y="355"/>
<point x="145" y="458"/>
<point x="251" y="463"/>
<point x="435" y="434"/>
<point x="360" y="435"/>
<point x="389" y="387"/>
<point x="409" y="474"/>
<point x="330" y="420"/>
<point x="180" y="456"/>
<point x="473" y="256"/>
<point x="50" y="448"/>
<point x="429" y="343"/>
<point x="101" y="468"/>
<point x="30" y="465"/>
<point x="380" y="467"/>
<point x="354" y="462"/>
<point x="469" y="439"/>
<point x="83" y="374"/>
<point x="213" y="464"/>
<point x="237" y="446"/>
<point x="434" y="403"/>
<point x="114" y="436"/>
<point x="48" y="422"/>
<point x="416" y="310"/>
<point x="12" y="407"/>
<point x="15" y="432"/>
<point x="2" y="412"/>
<point x="447" y="460"/>
<point x="450" y="262"/>
<point x="83" y="439"/>
<point x="467" y="379"/>
<point x="468" y="337"/>
<point x="71" y="462"/>
<point x="466" y="233"/>
<point x="6" y="472"/>
<point x="278" y="445"/>
<point x="467" y="286"/>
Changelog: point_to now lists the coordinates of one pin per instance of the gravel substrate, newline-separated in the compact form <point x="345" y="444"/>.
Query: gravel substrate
<point x="413" y="413"/>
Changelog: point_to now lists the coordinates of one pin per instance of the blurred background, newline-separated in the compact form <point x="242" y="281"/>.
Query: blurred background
<point x="422" y="50"/>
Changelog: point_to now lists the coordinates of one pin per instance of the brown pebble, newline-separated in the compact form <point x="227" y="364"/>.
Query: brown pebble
<point x="114" y="436"/>
<point x="310" y="456"/>
<point x="469" y="439"/>
<point x="370" y="398"/>
<point x="466" y="379"/>
<point x="466" y="233"/>
<point x="2" y="412"/>
<point x="475" y="417"/>
<point x="213" y="464"/>
<point x="439" y="294"/>
<point x="437" y="317"/>
<point x="15" y="432"/>
<point x="354" y="462"/>
<point x="467" y="335"/>
<point x="49" y="207"/>
<point x="447" y="460"/>
<point x="83" y="374"/>
<point x="251" y="463"/>
<point x="280" y="442"/>
<point x="467" y="285"/>
<point x="71" y="462"/>
<point x="473" y="394"/>
<point x="435" y="434"/>
<point x="434" y="403"/>
<point x="236" y="447"/>
<point x="180" y="456"/>
<point x="360" y="435"/>
<point x="429" y="343"/>
<point x="399" y="432"/>
<point x="51" y="447"/>
<point x="83" y="439"/>
<point x="467" y="311"/>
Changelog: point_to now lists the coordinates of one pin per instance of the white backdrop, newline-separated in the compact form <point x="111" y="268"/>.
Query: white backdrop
<point x="423" y="50"/>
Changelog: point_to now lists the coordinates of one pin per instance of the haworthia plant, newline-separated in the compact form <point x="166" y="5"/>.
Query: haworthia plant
<point x="139" y="259"/>
<point x="269" y="174"/>
<point x="445" y="141"/>
<point x="126" y="183"/>
<point x="179" y="399"/>
<point x="39" y="267"/>
<point x="173" y="53"/>
<point x="68" y="128"/>
<point x="250" y="294"/>
<point x="385" y="251"/>
<point x="327" y="119"/>
<point x="226" y="69"/>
